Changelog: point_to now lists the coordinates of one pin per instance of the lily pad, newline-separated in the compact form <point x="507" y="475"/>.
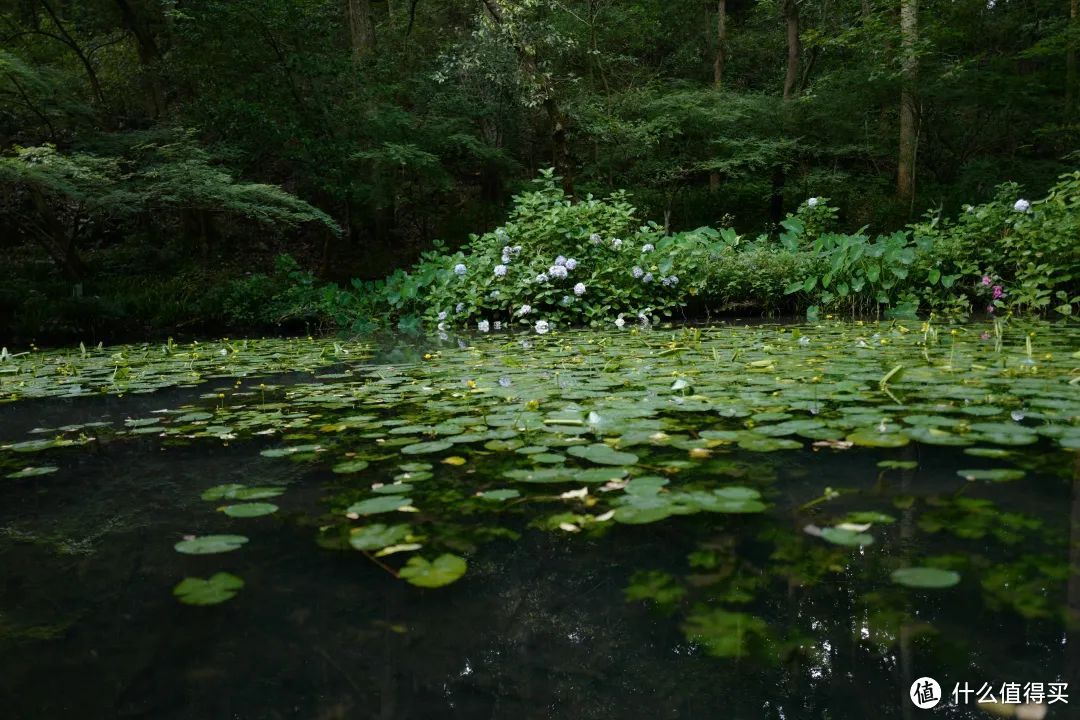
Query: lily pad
<point x="249" y="510"/>
<point x="378" y="536"/>
<point x="216" y="589"/>
<point x="210" y="544"/>
<point x="602" y="454"/>
<point x="444" y="570"/>
<point x="925" y="577"/>
<point x="377" y="505"/>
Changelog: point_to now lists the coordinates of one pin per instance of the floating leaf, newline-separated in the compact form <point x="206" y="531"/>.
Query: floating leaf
<point x="925" y="577"/>
<point x="994" y="475"/>
<point x="217" y="589"/>
<point x="33" y="471"/>
<point x="378" y="505"/>
<point x="249" y="510"/>
<point x="351" y="466"/>
<point x="210" y="544"/>
<point x="423" y="448"/>
<point x="377" y="536"/>
<point x="842" y="536"/>
<point x="498" y="495"/>
<point x="444" y="570"/>
<point x="602" y="454"/>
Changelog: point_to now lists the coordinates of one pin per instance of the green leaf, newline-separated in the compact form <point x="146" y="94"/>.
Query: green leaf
<point x="925" y="577"/>
<point x="217" y="589"/>
<point x="210" y="544"/>
<point x="444" y="570"/>
<point x="378" y="505"/>
<point x="377" y="536"/>
<point x="249" y="510"/>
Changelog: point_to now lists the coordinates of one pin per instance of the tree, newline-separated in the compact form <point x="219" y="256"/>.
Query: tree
<point x="909" y="36"/>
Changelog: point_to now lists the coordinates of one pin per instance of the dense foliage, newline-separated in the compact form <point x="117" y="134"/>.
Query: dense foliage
<point x="154" y="153"/>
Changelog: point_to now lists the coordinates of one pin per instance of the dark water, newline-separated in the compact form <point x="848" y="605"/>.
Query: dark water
<point x="606" y="623"/>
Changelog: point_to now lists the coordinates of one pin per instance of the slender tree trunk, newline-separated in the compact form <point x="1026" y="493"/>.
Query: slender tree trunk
<point x="721" y="43"/>
<point x="794" y="48"/>
<point x="149" y="54"/>
<point x="718" y="70"/>
<point x="1071" y="69"/>
<point x="909" y="35"/>
<point x="361" y="27"/>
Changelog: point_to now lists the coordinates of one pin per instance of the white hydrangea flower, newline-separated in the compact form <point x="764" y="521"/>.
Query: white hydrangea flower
<point x="619" y="322"/>
<point x="812" y="202"/>
<point x="459" y="269"/>
<point x="498" y="325"/>
<point x="542" y="327"/>
<point x="483" y="326"/>
<point x="500" y="271"/>
<point x="595" y="239"/>
<point x="648" y="278"/>
<point x="542" y="278"/>
<point x="524" y="310"/>
<point x="561" y="260"/>
<point x="442" y="314"/>
<point x="516" y="249"/>
<point x="557" y="271"/>
<point x="507" y="250"/>
<point x="579" y="289"/>
<point x="670" y="281"/>
<point x="441" y="326"/>
<point x="637" y="272"/>
<point x="460" y="307"/>
<point x="571" y="264"/>
<point x="1022" y="206"/>
<point x="494" y="294"/>
<point x="647" y="248"/>
<point x="567" y="300"/>
<point x="616" y="243"/>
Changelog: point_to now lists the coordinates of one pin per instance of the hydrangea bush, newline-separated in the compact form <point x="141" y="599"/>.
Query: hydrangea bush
<point x="559" y="263"/>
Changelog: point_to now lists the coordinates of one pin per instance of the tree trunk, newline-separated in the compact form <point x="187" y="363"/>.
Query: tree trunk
<point x="361" y="27"/>
<point x="149" y="54"/>
<point x="721" y="43"/>
<point x="905" y="169"/>
<point x="718" y="70"/>
<point x="791" y="18"/>
<point x="1071" y="69"/>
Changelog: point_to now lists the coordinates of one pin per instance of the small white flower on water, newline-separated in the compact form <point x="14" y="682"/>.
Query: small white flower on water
<point x="812" y="202"/>
<point x="579" y="289"/>
<point x="505" y="381"/>
<point x="647" y="248"/>
<point x="498" y="325"/>
<point x="616" y="243"/>
<point x="500" y="271"/>
<point x="882" y="426"/>
<point x="619" y="322"/>
<point x="648" y="278"/>
<point x="637" y="272"/>
<point x="442" y="314"/>
<point x="1017" y="415"/>
<point x="459" y="269"/>
<point x="571" y="264"/>
<point x="561" y="260"/>
<point x="804" y="341"/>
<point x="542" y="327"/>
<point x="483" y="326"/>
<point x="542" y="278"/>
<point x="224" y="351"/>
<point x="524" y="310"/>
<point x="460" y="307"/>
<point x="557" y="271"/>
<point x="1022" y="206"/>
<point x="595" y="239"/>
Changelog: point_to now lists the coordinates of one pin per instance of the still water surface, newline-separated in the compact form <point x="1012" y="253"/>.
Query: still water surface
<point x="663" y="524"/>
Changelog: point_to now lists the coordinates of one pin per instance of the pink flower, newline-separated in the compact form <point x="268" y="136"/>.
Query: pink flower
<point x="986" y="280"/>
<point x="990" y="309"/>
<point x="985" y="335"/>
<point x="998" y="292"/>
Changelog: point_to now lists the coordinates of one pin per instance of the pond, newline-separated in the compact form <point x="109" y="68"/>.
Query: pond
<point x="719" y="522"/>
